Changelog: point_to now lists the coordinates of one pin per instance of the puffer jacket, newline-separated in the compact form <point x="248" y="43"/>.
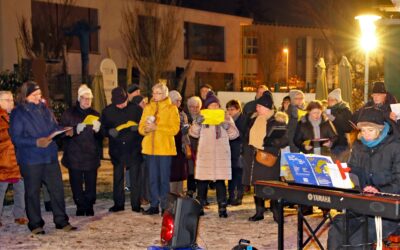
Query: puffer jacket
<point x="29" y="122"/>
<point x="213" y="154"/>
<point x="161" y="141"/>
<point x="83" y="151"/>
<point x="9" y="169"/>
<point x="378" y="166"/>
<point x="342" y="122"/>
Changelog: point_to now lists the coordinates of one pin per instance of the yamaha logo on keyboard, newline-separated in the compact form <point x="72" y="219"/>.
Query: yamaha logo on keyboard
<point x="319" y="198"/>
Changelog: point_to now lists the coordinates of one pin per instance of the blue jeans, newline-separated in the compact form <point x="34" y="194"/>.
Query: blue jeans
<point x="19" y="202"/>
<point x="159" y="173"/>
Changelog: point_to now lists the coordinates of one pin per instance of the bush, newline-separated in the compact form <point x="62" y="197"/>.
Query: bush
<point x="10" y="81"/>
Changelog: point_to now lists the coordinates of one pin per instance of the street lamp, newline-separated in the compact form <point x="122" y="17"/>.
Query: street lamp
<point x="286" y="51"/>
<point x="368" y="42"/>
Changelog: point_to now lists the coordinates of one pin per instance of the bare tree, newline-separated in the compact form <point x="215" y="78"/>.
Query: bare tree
<point x="150" y="32"/>
<point x="48" y="40"/>
<point x="268" y="53"/>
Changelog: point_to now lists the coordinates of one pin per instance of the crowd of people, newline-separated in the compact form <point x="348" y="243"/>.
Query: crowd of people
<point x="156" y="146"/>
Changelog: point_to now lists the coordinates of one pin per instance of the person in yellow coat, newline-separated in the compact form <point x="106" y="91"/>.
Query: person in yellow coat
<point x="159" y="124"/>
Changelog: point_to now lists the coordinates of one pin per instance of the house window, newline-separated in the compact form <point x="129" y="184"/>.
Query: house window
<point x="250" y="46"/>
<point x="51" y="22"/>
<point x="204" y="42"/>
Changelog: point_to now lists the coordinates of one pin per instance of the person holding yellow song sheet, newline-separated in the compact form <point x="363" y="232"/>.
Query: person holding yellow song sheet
<point x="118" y="124"/>
<point x="82" y="151"/>
<point x="213" y="162"/>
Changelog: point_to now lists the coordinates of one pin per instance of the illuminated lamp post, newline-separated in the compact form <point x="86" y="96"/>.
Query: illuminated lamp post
<point x="286" y="51"/>
<point x="368" y="42"/>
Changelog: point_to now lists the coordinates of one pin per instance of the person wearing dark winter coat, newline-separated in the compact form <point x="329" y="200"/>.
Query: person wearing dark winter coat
<point x="31" y="124"/>
<point x="82" y="151"/>
<point x="381" y="99"/>
<point x="260" y="127"/>
<point x="339" y="114"/>
<point x="179" y="164"/>
<point x="248" y="152"/>
<point x="375" y="159"/>
<point x="295" y="110"/>
<point x="235" y="186"/>
<point x="315" y="133"/>
<point x="120" y="124"/>
<point x="193" y="106"/>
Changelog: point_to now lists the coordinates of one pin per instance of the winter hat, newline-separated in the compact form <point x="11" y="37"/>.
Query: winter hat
<point x="31" y="87"/>
<point x="336" y="94"/>
<point x="379" y="88"/>
<point x="174" y="96"/>
<point x="210" y="98"/>
<point x="132" y="88"/>
<point x="294" y="92"/>
<point x="371" y="117"/>
<point x="137" y="99"/>
<point x="266" y="100"/>
<point x="118" y="96"/>
<point x="83" y="90"/>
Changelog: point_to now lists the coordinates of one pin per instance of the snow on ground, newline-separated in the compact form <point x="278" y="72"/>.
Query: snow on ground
<point x="129" y="230"/>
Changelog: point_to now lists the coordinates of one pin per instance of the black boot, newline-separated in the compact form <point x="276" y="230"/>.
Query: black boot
<point x="275" y="210"/>
<point x="222" y="210"/>
<point x="260" y="208"/>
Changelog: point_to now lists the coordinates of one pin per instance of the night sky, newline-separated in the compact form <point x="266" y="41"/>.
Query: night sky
<point x="281" y="12"/>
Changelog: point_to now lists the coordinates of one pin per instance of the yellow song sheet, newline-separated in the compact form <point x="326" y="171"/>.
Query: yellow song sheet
<point x="128" y="124"/>
<point x="213" y="116"/>
<point x="90" y="119"/>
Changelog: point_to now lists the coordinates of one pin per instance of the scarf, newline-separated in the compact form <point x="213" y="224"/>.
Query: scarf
<point x="259" y="130"/>
<point x="383" y="135"/>
<point x="317" y="134"/>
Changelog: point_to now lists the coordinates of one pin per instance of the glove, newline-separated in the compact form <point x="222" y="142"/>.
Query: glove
<point x="134" y="128"/>
<point x="225" y="125"/>
<point x="96" y="126"/>
<point x="43" y="142"/>
<point x="80" y="127"/>
<point x="199" y="119"/>
<point x="185" y="129"/>
<point x="113" y="132"/>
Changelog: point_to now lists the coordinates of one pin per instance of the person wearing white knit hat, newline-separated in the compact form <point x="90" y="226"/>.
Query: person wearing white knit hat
<point x="339" y="113"/>
<point x="81" y="152"/>
<point x="335" y="94"/>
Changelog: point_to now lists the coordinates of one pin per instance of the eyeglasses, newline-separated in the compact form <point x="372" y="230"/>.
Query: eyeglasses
<point x="7" y="100"/>
<point x="157" y="93"/>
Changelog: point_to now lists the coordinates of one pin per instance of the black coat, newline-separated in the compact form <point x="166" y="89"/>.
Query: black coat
<point x="305" y="131"/>
<point x="342" y="123"/>
<point x="272" y="145"/>
<point x="83" y="151"/>
<point x="378" y="166"/>
<point x="236" y="144"/>
<point x="128" y="142"/>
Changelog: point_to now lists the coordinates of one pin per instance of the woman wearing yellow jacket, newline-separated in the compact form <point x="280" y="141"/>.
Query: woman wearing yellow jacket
<point x="159" y="124"/>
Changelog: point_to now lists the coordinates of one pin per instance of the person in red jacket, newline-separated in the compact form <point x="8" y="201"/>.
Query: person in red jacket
<point x="9" y="169"/>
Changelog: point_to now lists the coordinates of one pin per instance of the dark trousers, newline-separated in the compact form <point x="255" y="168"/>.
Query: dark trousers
<point x="50" y="176"/>
<point x="159" y="168"/>
<point x="137" y="183"/>
<point x="83" y="186"/>
<point x="191" y="183"/>
<point x="236" y="183"/>
<point x="202" y="189"/>
<point x="125" y="161"/>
